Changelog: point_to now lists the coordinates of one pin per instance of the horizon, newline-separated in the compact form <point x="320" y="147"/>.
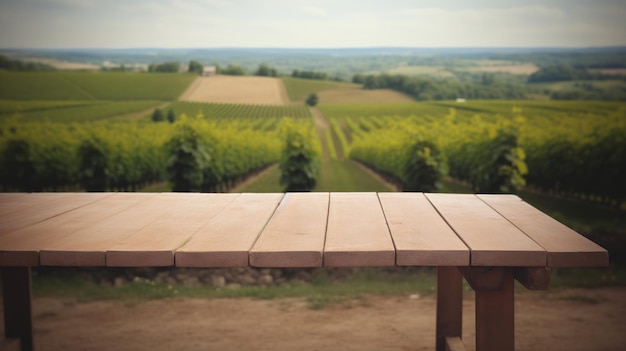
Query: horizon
<point x="472" y="48"/>
<point x="312" y="24"/>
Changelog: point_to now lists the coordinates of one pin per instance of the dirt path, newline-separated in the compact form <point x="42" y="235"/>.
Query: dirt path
<point x="559" y="320"/>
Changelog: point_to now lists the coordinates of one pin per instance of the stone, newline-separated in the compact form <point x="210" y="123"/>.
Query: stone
<point x="266" y="279"/>
<point x="218" y="281"/>
<point x="118" y="282"/>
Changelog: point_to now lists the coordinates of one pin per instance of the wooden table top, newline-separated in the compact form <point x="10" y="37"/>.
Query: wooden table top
<point x="285" y="230"/>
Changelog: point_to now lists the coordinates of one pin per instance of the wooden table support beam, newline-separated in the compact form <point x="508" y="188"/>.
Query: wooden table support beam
<point x="495" y="315"/>
<point x="449" y="305"/>
<point x="17" y="297"/>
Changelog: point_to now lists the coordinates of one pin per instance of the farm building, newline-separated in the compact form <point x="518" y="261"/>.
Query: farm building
<point x="208" y="71"/>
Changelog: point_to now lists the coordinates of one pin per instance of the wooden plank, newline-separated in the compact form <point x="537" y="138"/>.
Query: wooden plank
<point x="495" y="316"/>
<point x="226" y="239"/>
<point x="484" y="278"/>
<point x="11" y="344"/>
<point x="421" y="236"/>
<point x="454" y="344"/>
<point x="87" y="246"/>
<point x="21" y="210"/>
<point x="492" y="239"/>
<point x="21" y="247"/>
<point x="357" y="233"/>
<point x="17" y="301"/>
<point x="533" y="278"/>
<point x="449" y="321"/>
<point x="294" y="236"/>
<point x="565" y="247"/>
<point x="154" y="245"/>
<point x="16" y="202"/>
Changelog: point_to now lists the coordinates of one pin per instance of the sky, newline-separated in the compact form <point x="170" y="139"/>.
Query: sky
<point x="310" y="23"/>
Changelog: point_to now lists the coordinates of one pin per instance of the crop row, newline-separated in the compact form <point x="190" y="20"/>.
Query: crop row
<point x="125" y="156"/>
<point x="245" y="111"/>
<point x="573" y="148"/>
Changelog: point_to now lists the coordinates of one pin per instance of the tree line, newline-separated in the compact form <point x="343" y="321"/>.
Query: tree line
<point x="16" y="65"/>
<point x="431" y="89"/>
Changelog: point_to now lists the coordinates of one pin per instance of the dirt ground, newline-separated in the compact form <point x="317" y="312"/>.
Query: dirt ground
<point x="237" y="90"/>
<point x="572" y="319"/>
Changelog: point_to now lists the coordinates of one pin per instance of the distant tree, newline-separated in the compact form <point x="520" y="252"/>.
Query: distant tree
<point x="312" y="99"/>
<point x="233" y="70"/>
<point x="171" y="116"/>
<point x="557" y="73"/>
<point x="266" y="71"/>
<point x="358" y="79"/>
<point x="15" y="65"/>
<point x="309" y="75"/>
<point x="167" y="67"/>
<point x="195" y="67"/>
<point x="157" y="115"/>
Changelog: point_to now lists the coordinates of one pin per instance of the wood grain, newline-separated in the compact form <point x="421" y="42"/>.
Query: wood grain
<point x="295" y="235"/>
<point x="421" y="236"/>
<point x="87" y="245"/>
<point x="22" y="210"/>
<point x="357" y="233"/>
<point x="154" y="244"/>
<point x="226" y="239"/>
<point x="493" y="240"/>
<point x="21" y="247"/>
<point x="565" y="247"/>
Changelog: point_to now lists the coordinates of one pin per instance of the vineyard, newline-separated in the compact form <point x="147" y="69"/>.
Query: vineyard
<point x="566" y="148"/>
<point x="126" y="156"/>
<point x="243" y="111"/>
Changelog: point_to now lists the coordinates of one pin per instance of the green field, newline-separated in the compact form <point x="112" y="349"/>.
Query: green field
<point x="92" y="86"/>
<point x="71" y="111"/>
<point x="84" y="96"/>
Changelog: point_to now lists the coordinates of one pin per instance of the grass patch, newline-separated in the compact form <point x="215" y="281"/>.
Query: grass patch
<point x="319" y="293"/>
<point x="615" y="275"/>
<point x="343" y="176"/>
<point x="335" y="176"/>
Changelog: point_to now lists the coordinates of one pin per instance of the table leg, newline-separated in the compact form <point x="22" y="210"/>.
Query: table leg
<point x="495" y="316"/>
<point x="449" y="305"/>
<point x="17" y="297"/>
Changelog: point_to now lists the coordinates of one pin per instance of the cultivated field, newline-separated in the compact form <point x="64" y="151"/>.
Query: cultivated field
<point x="513" y="68"/>
<point x="237" y="90"/>
<point x="330" y="92"/>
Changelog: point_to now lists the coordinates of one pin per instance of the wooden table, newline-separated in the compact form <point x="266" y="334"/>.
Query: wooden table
<point x="491" y="240"/>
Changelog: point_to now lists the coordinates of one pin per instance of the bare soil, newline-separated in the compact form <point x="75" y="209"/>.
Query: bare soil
<point x="572" y="319"/>
<point x="237" y="90"/>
